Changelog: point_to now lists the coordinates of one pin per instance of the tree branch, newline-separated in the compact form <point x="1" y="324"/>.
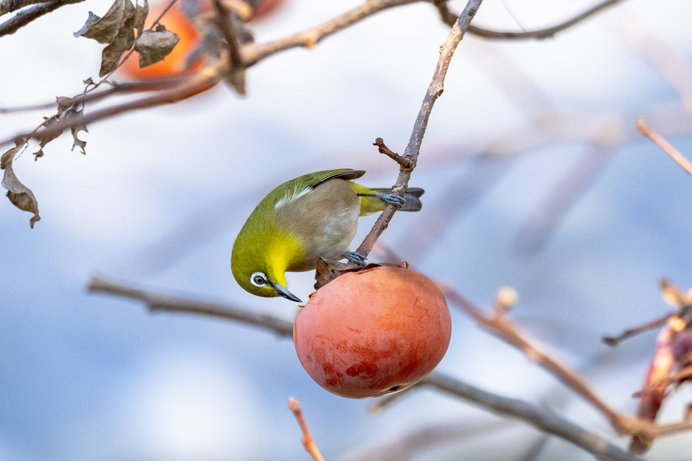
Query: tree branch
<point x="252" y="53"/>
<point x="504" y="329"/>
<point x="664" y="145"/>
<point x="449" y="17"/>
<point x="157" y="302"/>
<point x="188" y="86"/>
<point x="400" y="159"/>
<point x="307" y="440"/>
<point x="544" y="419"/>
<point x="629" y="332"/>
<point x="27" y="15"/>
<point x="413" y="148"/>
<point x="312" y="36"/>
<point x="8" y="6"/>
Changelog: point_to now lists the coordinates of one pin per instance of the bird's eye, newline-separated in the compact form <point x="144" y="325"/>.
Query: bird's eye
<point x="258" y="279"/>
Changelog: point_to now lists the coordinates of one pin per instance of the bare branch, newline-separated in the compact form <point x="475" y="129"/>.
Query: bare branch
<point x="664" y="145"/>
<point x="307" y="440"/>
<point x="413" y="148"/>
<point x="188" y="86"/>
<point x="542" y="418"/>
<point x="8" y="6"/>
<point x="309" y="38"/>
<point x="383" y="149"/>
<point x="656" y="323"/>
<point x="27" y="15"/>
<point x="507" y="331"/>
<point x="549" y="32"/>
<point x="157" y="302"/>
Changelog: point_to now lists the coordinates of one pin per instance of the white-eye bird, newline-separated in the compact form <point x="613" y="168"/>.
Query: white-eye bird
<point x="314" y="215"/>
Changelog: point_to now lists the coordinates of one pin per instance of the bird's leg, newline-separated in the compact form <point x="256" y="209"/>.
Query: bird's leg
<point x="355" y="257"/>
<point x="389" y="199"/>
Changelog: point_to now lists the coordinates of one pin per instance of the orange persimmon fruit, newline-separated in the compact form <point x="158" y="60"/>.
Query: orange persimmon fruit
<point x="373" y="332"/>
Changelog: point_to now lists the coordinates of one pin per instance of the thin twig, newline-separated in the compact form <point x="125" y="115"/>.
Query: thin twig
<point x="449" y="17"/>
<point x="542" y="418"/>
<point x="400" y="159"/>
<point x="309" y="38"/>
<point x="664" y="145"/>
<point x="8" y="6"/>
<point x="413" y="148"/>
<point x="28" y="15"/>
<point x="307" y="440"/>
<point x="191" y="85"/>
<point x="656" y="323"/>
<point x="157" y="302"/>
<point x="253" y="53"/>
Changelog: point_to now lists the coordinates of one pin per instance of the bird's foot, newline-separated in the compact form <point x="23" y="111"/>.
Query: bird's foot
<point x="391" y="199"/>
<point x="355" y="257"/>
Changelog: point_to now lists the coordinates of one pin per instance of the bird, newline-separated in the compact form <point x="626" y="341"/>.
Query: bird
<point x="311" y="216"/>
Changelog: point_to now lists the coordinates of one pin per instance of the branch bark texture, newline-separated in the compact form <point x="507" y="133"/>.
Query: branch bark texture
<point x="434" y="91"/>
<point x="541" y="418"/>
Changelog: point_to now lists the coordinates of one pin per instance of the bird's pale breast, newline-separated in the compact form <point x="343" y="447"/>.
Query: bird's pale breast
<point x="325" y="219"/>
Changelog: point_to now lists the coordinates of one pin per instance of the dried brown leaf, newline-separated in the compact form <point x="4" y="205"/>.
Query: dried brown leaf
<point x="110" y="57"/>
<point x="106" y="29"/>
<point x="21" y="196"/>
<point x="154" y="46"/>
<point x="141" y="13"/>
<point x="90" y="22"/>
<point x="76" y="141"/>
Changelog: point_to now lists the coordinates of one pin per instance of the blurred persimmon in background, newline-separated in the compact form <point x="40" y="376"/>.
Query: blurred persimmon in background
<point x="178" y="22"/>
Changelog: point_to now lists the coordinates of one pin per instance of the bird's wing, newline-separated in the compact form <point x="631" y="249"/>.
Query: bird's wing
<point x="313" y="180"/>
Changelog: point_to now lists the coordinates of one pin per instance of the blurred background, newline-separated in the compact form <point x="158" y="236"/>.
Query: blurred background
<point x="535" y="178"/>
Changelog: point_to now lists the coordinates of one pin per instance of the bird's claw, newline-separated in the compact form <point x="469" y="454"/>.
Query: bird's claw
<point x="392" y="199"/>
<point x="355" y="257"/>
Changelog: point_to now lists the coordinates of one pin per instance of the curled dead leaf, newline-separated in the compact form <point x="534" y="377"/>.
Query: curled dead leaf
<point x="154" y="46"/>
<point x="106" y="29"/>
<point x="21" y="196"/>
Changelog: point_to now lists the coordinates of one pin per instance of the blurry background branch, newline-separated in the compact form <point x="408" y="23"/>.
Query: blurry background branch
<point x="157" y="302"/>
<point x="306" y="439"/>
<point x="29" y="14"/>
<point x="449" y="17"/>
<point x="253" y="53"/>
<point x="542" y="418"/>
<point x="665" y="146"/>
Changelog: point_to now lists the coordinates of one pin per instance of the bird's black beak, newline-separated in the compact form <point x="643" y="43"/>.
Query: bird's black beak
<point x="283" y="291"/>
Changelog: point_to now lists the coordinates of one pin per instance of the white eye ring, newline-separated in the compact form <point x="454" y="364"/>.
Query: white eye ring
<point x="258" y="279"/>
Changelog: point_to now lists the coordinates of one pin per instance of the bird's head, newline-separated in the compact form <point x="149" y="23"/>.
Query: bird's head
<point x="259" y="263"/>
